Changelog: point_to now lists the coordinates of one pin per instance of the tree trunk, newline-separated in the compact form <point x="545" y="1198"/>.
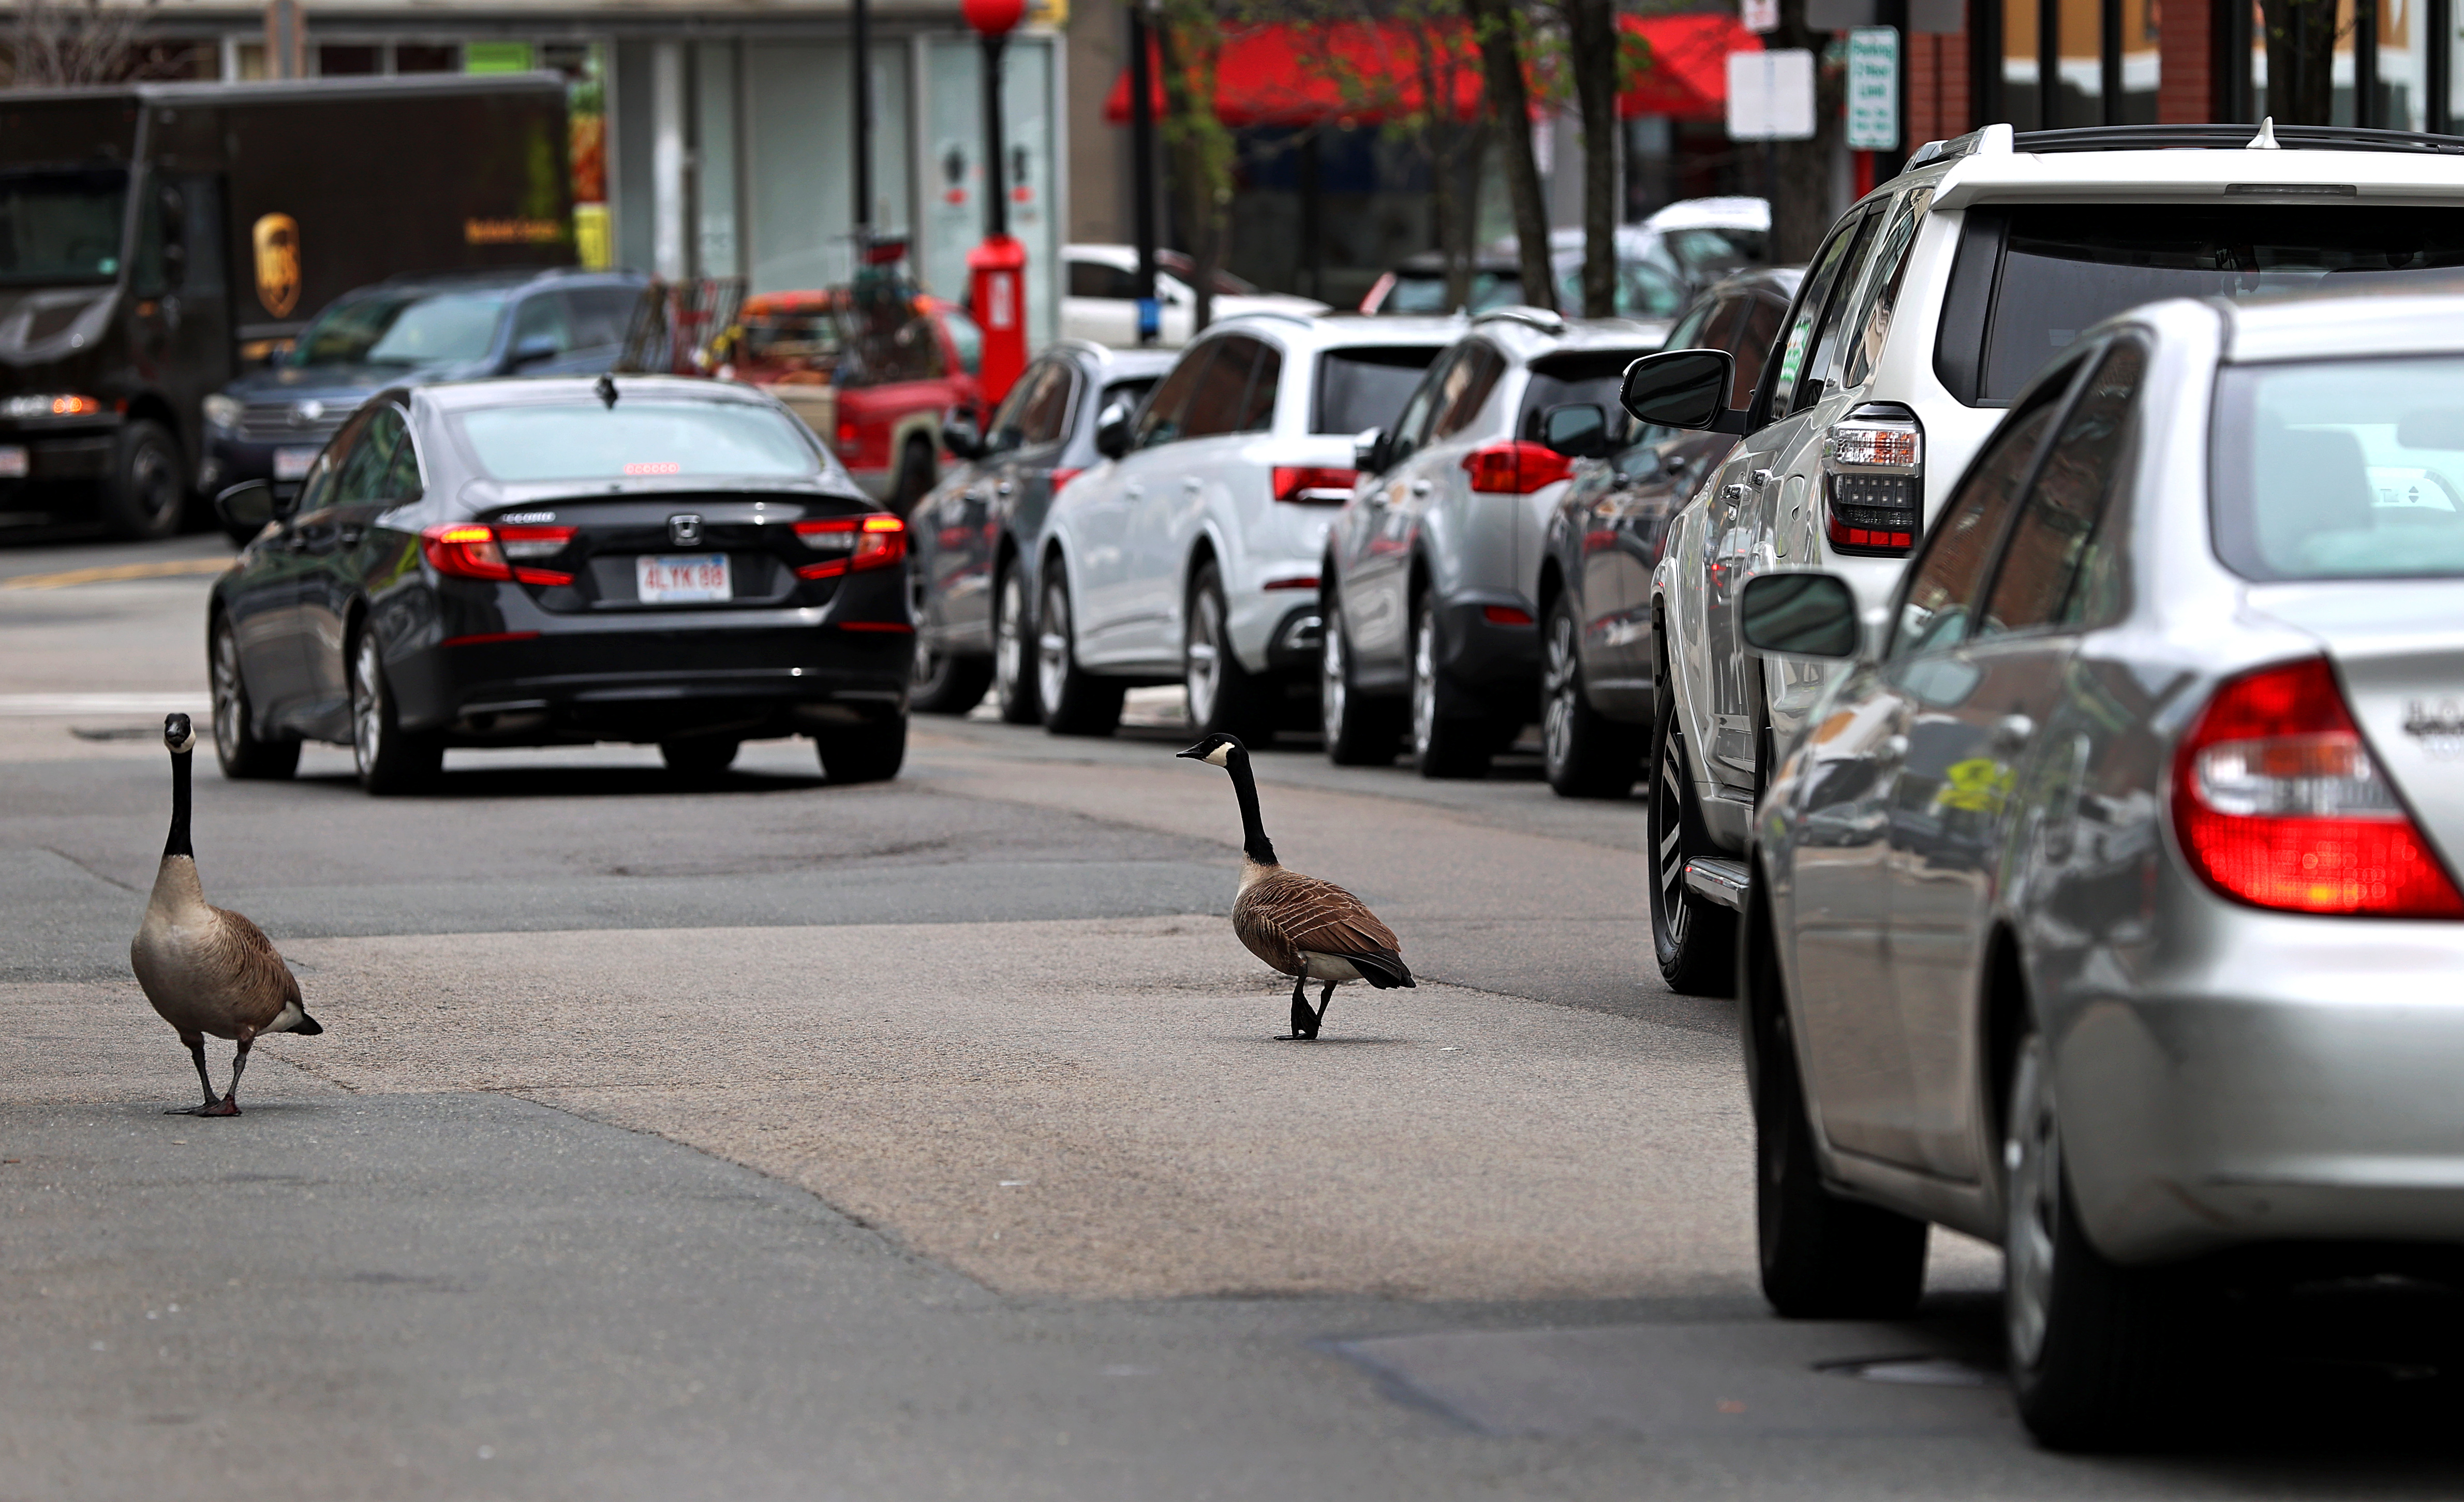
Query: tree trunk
<point x="1469" y="166"/>
<point x="2300" y="61"/>
<point x="1591" y="28"/>
<point x="1199" y="147"/>
<point x="1510" y="115"/>
<point x="1802" y="207"/>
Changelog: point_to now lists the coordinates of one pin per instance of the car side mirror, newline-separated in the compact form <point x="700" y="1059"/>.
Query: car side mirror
<point x="1370" y="447"/>
<point x="534" y="349"/>
<point x="1799" y="615"/>
<point x="1112" y="431"/>
<point x="1683" y="388"/>
<point x="959" y="436"/>
<point x="249" y="505"/>
<point x="1577" y="429"/>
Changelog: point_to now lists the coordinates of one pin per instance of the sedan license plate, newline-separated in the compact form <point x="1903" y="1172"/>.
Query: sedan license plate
<point x="12" y="462"/>
<point x="290" y="464"/>
<point x="690" y="579"/>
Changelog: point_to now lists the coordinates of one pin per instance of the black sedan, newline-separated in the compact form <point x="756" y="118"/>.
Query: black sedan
<point x="1597" y="648"/>
<point x="975" y="533"/>
<point x="525" y="562"/>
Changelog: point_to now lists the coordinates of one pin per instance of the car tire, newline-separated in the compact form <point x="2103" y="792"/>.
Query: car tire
<point x="1224" y="698"/>
<point x="389" y="759"/>
<point x="1823" y="1257"/>
<point x="703" y="756"/>
<point x="244" y="758"/>
<point x="1359" y="731"/>
<point x="1584" y="753"/>
<point x="1014" y="651"/>
<point x="866" y="753"/>
<point x="147" y="495"/>
<point x="1694" y="940"/>
<point x="2094" y="1347"/>
<point x="946" y="683"/>
<point x="1441" y="746"/>
<point x="1075" y="702"/>
<point x="917" y="475"/>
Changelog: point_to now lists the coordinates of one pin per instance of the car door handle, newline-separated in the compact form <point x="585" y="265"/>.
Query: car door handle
<point x="1192" y="484"/>
<point x="1003" y="487"/>
<point x="1135" y="492"/>
<point x="1419" y="487"/>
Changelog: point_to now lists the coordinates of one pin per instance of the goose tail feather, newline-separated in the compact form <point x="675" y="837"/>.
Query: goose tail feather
<point x="1383" y="969"/>
<point x="307" y="1026"/>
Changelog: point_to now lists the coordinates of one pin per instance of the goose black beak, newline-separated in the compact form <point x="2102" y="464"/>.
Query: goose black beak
<point x="1196" y="753"/>
<point x="176" y="730"/>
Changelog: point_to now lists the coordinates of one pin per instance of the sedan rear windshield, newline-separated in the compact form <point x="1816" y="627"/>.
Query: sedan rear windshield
<point x="635" y="439"/>
<point x="2030" y="278"/>
<point x="1361" y="388"/>
<point x="2345" y="468"/>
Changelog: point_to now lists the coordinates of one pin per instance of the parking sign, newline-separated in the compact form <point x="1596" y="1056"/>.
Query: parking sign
<point x="1873" y="88"/>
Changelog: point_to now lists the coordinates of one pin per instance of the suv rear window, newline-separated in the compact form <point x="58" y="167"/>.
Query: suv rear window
<point x="1592" y="376"/>
<point x="1365" y="387"/>
<point x="2031" y="279"/>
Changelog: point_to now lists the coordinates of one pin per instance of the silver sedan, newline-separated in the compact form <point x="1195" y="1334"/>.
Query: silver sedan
<point x="2108" y="909"/>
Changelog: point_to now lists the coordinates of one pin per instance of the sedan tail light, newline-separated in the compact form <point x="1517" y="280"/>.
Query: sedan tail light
<point x="1872" y="478"/>
<point x="2280" y="804"/>
<point x="476" y="550"/>
<point x="1515" y="469"/>
<point x="1313" y="485"/>
<point x="853" y="544"/>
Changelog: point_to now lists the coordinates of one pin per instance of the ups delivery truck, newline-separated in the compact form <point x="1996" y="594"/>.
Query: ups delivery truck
<point x="156" y="238"/>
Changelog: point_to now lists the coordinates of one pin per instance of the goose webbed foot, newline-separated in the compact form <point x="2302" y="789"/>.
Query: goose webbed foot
<point x="225" y="1107"/>
<point x="1304" y="1020"/>
<point x="226" y="1104"/>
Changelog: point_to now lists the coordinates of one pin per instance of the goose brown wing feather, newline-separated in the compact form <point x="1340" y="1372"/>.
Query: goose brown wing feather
<point x="257" y="973"/>
<point x="1284" y="914"/>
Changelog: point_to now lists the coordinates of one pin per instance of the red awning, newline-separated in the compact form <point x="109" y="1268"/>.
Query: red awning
<point x="1282" y="74"/>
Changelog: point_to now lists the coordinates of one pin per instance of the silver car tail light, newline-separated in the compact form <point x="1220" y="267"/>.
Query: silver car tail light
<point x="1872" y="481"/>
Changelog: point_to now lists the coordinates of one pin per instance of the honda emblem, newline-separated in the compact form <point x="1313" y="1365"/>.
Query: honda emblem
<point x="684" y="531"/>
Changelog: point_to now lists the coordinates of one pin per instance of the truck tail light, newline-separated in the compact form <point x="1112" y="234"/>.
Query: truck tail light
<point x="476" y="550"/>
<point x="853" y="544"/>
<point x="1515" y="469"/>
<point x="1873" y="480"/>
<point x="850" y="440"/>
<point x="2280" y="804"/>
<point x="1313" y="485"/>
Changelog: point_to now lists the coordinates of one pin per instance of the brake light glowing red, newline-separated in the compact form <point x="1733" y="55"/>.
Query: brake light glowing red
<point x="1515" y="469"/>
<point x="472" y="550"/>
<point x="869" y="541"/>
<point x="1314" y="484"/>
<point x="2279" y="803"/>
<point x="654" y="467"/>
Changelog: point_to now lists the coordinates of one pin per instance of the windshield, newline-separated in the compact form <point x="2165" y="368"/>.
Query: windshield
<point x="2346" y="468"/>
<point x="61" y="227"/>
<point x="2065" y="269"/>
<point x="1363" y="388"/>
<point x="403" y="328"/>
<point x="1708" y="254"/>
<point x="1425" y="291"/>
<point x="636" y="438"/>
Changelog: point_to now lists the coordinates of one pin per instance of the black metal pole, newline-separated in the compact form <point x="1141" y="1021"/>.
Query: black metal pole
<point x="2108" y="58"/>
<point x="2049" y="64"/>
<point x="863" y="92"/>
<point x="1142" y="148"/>
<point x="2439" y="24"/>
<point x="1983" y="63"/>
<point x="2366" y="64"/>
<point x="995" y="196"/>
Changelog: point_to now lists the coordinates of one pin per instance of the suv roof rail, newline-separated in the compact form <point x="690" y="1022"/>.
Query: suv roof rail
<point x="1541" y="319"/>
<point x="1284" y="315"/>
<point x="2214" y="136"/>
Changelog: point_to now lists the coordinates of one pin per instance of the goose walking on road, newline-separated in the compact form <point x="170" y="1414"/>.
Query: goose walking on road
<point x="1309" y="929"/>
<point x="207" y="970"/>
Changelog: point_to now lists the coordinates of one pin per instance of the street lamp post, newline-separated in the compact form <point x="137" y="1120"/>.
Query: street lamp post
<point x="997" y="268"/>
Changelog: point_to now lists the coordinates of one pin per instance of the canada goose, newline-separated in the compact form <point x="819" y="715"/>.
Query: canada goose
<point x="207" y="970"/>
<point x="1309" y="929"/>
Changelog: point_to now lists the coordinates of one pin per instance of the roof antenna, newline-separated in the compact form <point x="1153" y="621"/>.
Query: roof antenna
<point x="606" y="389"/>
<point x="2265" y="139"/>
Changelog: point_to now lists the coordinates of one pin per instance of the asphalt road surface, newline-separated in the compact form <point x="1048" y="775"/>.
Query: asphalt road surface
<point x="766" y="1139"/>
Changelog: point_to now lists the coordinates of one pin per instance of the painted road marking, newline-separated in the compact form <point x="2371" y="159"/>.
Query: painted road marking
<point x="113" y="573"/>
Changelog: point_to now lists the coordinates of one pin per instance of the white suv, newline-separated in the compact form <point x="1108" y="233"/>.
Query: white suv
<point x="1190" y="556"/>
<point x="1924" y="312"/>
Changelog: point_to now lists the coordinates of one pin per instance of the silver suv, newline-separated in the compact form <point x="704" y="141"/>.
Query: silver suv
<point x="1431" y="581"/>
<point x="1933" y="300"/>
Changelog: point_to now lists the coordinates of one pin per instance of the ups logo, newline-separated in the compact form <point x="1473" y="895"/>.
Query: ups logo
<point x="277" y="238"/>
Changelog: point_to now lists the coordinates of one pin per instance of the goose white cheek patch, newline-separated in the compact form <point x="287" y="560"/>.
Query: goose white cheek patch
<point x="1221" y="756"/>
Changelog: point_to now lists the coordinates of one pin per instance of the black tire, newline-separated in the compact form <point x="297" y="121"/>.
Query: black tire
<point x="1823" y="1257"/>
<point x="1224" y="698"/>
<point x="1075" y="702"/>
<point x="389" y="759"/>
<point x="1014" y="649"/>
<point x="945" y="683"/>
<point x="146" y="496"/>
<point x="702" y="756"/>
<point x="1359" y="731"/>
<point x="871" y="753"/>
<point x="1585" y="754"/>
<point x="242" y="755"/>
<point x="1694" y="940"/>
<point x="2097" y="1349"/>
<point x="917" y="475"/>
<point x="1443" y="745"/>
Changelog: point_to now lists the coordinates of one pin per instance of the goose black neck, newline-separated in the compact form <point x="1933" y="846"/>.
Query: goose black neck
<point x="178" y="843"/>
<point x="1253" y="829"/>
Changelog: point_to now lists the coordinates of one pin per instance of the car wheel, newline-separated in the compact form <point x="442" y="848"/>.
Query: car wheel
<point x="945" y="683"/>
<point x="1358" y="730"/>
<point x="1014" y="651"/>
<point x="2094" y="1347"/>
<point x="1586" y="754"/>
<point x="149" y="489"/>
<point x="390" y="760"/>
<point x="1075" y="702"/>
<point x="868" y="753"/>
<point x="1694" y="940"/>
<point x="1222" y="694"/>
<point x="703" y="756"/>
<point x="1823" y="1257"/>
<point x="916" y="476"/>
<point x="242" y="755"/>
<point x="1441" y="746"/>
